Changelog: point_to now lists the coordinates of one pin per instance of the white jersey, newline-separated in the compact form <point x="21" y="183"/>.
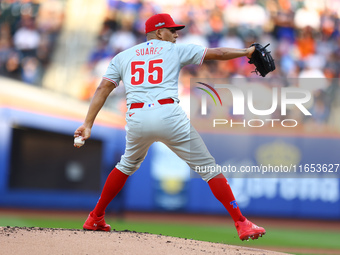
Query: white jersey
<point x="150" y="70"/>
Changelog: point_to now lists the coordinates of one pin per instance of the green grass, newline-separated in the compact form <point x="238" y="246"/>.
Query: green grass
<point x="227" y="234"/>
<point x="292" y="238"/>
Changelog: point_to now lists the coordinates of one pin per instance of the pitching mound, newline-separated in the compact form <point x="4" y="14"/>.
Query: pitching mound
<point x="15" y="240"/>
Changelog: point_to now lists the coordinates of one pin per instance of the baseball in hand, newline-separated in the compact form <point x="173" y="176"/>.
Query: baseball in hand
<point x="78" y="141"/>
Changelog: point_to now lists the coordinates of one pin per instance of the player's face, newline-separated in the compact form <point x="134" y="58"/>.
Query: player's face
<point x="169" y="34"/>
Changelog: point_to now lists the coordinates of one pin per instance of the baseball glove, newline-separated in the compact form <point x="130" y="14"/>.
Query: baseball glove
<point x="262" y="59"/>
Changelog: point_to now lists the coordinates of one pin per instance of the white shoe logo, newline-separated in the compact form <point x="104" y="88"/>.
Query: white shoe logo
<point x="95" y="224"/>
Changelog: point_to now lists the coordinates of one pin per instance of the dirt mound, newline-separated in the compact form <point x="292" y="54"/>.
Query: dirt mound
<point x="23" y="240"/>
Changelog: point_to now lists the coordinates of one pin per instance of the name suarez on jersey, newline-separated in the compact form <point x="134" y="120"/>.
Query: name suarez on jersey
<point x="149" y="51"/>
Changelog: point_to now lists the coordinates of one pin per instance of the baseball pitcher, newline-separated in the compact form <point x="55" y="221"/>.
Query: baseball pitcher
<point x="150" y="73"/>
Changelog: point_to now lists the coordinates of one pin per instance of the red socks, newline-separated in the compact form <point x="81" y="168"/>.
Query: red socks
<point x="218" y="185"/>
<point x="222" y="191"/>
<point x="114" y="183"/>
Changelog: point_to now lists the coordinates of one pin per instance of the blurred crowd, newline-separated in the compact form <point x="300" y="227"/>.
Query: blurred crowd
<point x="304" y="37"/>
<point x="28" y="33"/>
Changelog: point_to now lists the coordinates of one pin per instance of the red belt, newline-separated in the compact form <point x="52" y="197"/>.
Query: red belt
<point x="160" y="101"/>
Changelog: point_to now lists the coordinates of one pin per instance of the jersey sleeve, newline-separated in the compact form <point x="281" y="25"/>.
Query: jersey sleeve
<point x="112" y="72"/>
<point x="191" y="54"/>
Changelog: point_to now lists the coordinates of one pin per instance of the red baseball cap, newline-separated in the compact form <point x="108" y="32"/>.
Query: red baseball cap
<point x="160" y="21"/>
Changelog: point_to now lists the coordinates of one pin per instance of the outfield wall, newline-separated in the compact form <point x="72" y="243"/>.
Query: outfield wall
<point x="39" y="167"/>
